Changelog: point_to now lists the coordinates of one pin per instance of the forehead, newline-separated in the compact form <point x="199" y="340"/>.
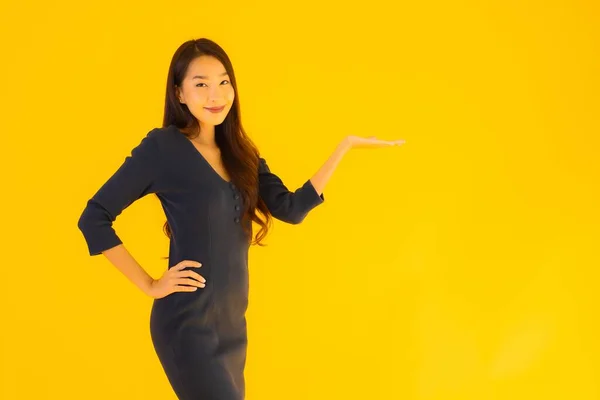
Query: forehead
<point x="206" y="66"/>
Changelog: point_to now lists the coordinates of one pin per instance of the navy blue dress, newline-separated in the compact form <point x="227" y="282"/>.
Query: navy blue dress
<point x="199" y="337"/>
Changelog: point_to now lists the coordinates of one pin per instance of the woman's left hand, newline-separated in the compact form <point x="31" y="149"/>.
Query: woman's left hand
<point x="352" y="141"/>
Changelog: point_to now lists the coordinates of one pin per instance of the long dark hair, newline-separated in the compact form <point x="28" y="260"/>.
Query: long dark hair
<point x="239" y="154"/>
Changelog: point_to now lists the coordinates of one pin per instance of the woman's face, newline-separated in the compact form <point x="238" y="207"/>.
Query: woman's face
<point x="206" y="85"/>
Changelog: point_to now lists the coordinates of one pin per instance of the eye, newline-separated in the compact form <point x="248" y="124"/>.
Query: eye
<point x="198" y="85"/>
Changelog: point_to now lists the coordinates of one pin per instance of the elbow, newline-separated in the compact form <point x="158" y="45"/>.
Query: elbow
<point x="81" y="223"/>
<point x="94" y="217"/>
<point x="295" y="221"/>
<point x="291" y="213"/>
<point x="85" y="221"/>
<point x="86" y="228"/>
<point x="292" y="218"/>
<point x="99" y="236"/>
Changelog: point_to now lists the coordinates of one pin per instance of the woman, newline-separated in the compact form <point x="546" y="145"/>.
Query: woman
<point x="212" y="185"/>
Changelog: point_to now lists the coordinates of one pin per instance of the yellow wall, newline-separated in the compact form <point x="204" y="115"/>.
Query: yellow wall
<point x="462" y="265"/>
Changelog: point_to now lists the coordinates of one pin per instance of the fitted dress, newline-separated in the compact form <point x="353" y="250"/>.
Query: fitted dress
<point x="199" y="337"/>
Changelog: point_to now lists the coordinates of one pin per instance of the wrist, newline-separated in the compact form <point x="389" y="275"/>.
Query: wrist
<point x="345" y="145"/>
<point x="147" y="287"/>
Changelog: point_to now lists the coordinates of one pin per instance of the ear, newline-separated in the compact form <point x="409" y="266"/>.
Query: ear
<point x="179" y="95"/>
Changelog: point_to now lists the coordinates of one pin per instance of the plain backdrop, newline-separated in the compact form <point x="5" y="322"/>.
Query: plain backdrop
<point x="461" y="265"/>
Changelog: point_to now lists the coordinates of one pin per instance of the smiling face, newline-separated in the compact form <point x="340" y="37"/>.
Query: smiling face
<point x="207" y="86"/>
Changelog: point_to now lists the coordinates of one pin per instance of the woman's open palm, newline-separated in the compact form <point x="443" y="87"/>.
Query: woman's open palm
<point x="371" y="141"/>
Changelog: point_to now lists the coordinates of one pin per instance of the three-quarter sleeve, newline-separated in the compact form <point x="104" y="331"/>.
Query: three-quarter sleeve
<point x="287" y="206"/>
<point x="135" y="178"/>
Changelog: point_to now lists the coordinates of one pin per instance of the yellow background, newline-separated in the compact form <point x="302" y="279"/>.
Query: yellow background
<point x="462" y="265"/>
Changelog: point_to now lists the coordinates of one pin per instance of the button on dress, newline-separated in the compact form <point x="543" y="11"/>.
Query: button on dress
<point x="199" y="337"/>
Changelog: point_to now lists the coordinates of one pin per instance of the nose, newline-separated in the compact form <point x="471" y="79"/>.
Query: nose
<point x="215" y="95"/>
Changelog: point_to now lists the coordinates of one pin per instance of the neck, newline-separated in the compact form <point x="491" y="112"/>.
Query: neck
<point x="206" y="136"/>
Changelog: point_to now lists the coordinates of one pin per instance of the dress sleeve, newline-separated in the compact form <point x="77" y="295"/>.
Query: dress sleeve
<point x="287" y="206"/>
<point x="134" y="179"/>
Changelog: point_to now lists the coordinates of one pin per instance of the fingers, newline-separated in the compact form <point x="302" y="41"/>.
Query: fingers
<point x="185" y="288"/>
<point x="192" y="274"/>
<point x="374" y="139"/>
<point x="188" y="281"/>
<point x="388" y="142"/>
<point x="186" y="263"/>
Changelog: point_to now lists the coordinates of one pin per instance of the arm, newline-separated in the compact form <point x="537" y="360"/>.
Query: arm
<point x="286" y="206"/>
<point x="321" y="177"/>
<point x="120" y="257"/>
<point x="135" y="178"/>
<point x="293" y="207"/>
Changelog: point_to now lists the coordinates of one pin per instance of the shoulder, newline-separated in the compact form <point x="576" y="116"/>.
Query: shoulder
<point x="153" y="144"/>
<point x="263" y="167"/>
<point x="162" y="133"/>
<point x="164" y="138"/>
<point x="170" y="144"/>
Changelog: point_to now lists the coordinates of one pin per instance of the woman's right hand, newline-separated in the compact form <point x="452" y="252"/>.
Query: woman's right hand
<point x="174" y="278"/>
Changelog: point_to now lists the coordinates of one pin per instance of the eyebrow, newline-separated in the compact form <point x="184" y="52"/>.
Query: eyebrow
<point x="206" y="77"/>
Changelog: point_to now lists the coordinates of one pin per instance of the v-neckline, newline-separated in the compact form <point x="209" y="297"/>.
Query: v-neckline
<point x="209" y="165"/>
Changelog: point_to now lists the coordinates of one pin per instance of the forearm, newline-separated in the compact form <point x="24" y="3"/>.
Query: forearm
<point x="124" y="262"/>
<point x="321" y="177"/>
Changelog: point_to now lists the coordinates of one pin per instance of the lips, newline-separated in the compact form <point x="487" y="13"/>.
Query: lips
<point x="215" y="109"/>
